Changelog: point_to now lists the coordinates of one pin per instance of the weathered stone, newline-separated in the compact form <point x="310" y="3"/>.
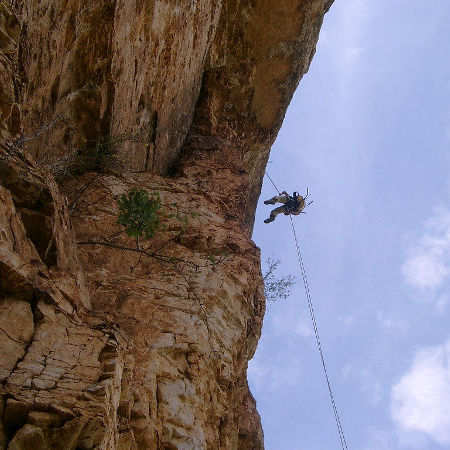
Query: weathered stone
<point x="28" y="437"/>
<point x="16" y="330"/>
<point x="67" y="436"/>
<point x="44" y="419"/>
<point x="39" y="383"/>
<point x="33" y="367"/>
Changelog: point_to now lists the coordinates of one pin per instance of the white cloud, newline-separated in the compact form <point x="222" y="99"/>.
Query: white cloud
<point x="424" y="270"/>
<point x="353" y="17"/>
<point x="347" y="320"/>
<point x="441" y="303"/>
<point x="345" y="34"/>
<point x="346" y="371"/>
<point x="428" y="264"/>
<point x="274" y="375"/>
<point x="351" y="54"/>
<point x="291" y="322"/>
<point x="378" y="440"/>
<point x="393" y="325"/>
<point x="420" y="401"/>
<point x="303" y="328"/>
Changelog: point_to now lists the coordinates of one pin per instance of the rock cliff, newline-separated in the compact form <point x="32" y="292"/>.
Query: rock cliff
<point x="108" y="341"/>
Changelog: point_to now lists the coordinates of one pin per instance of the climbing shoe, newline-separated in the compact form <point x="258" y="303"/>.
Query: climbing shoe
<point x="270" y="219"/>
<point x="269" y="202"/>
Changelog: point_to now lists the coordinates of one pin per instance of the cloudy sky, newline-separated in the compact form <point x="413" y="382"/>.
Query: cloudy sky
<point x="368" y="132"/>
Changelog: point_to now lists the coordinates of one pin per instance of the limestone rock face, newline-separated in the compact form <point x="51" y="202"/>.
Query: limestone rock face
<point x="113" y="342"/>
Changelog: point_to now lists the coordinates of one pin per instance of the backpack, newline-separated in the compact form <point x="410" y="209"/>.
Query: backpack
<point x="293" y="203"/>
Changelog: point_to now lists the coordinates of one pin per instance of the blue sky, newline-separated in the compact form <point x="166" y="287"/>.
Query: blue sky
<point x="368" y="131"/>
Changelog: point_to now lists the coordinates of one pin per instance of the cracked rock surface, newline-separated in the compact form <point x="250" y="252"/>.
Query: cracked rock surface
<point x="107" y="341"/>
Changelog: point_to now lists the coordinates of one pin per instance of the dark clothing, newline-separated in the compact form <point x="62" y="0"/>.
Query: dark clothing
<point x="291" y="205"/>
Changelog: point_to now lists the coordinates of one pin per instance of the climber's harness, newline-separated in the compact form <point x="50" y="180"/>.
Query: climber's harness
<point x="294" y="204"/>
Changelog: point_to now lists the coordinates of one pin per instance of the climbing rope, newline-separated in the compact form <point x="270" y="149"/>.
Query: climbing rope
<point x="316" y="332"/>
<point x="319" y="345"/>
<point x="278" y="191"/>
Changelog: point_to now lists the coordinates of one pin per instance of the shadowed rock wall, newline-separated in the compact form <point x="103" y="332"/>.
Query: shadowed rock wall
<point x="107" y="342"/>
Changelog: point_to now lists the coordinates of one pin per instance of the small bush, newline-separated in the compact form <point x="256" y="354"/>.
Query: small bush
<point x="275" y="288"/>
<point x="139" y="213"/>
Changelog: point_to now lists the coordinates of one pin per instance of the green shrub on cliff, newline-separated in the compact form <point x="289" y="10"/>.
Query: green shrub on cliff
<point x="139" y="213"/>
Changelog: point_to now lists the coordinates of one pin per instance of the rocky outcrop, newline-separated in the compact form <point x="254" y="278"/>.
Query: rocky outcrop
<point x="108" y="342"/>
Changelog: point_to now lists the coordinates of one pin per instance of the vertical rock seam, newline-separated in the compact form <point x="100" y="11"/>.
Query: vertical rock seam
<point x="113" y="342"/>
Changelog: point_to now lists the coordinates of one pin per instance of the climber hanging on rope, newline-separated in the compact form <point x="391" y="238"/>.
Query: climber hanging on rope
<point x="294" y="204"/>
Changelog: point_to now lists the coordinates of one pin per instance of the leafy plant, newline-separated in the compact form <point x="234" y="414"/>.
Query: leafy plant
<point x="139" y="213"/>
<point x="276" y="287"/>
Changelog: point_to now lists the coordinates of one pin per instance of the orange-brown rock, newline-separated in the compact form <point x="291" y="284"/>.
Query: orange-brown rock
<point x="108" y="342"/>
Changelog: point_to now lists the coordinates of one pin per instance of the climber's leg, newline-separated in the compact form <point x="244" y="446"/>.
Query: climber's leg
<point x="276" y="199"/>
<point x="275" y="212"/>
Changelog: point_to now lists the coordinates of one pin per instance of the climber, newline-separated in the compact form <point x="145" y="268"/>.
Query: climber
<point x="291" y="205"/>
